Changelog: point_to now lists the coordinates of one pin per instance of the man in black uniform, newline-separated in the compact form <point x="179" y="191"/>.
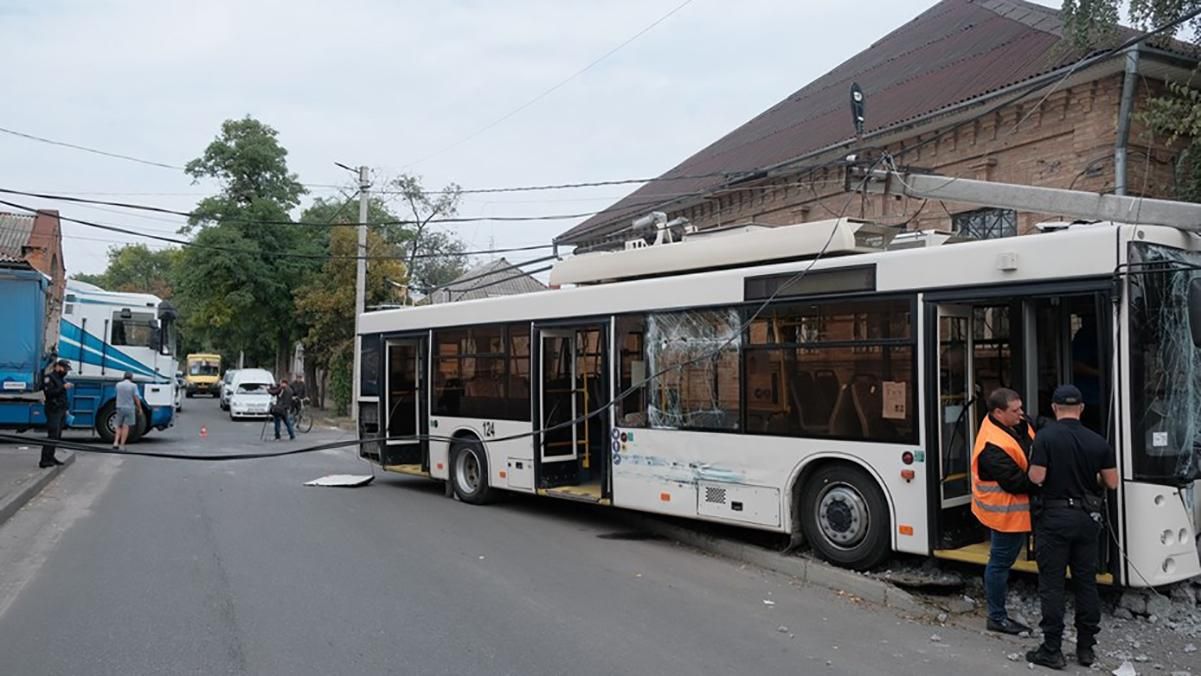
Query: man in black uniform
<point x="1074" y="466"/>
<point x="54" y="389"/>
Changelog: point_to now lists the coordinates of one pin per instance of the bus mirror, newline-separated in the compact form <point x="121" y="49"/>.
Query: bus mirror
<point x="1194" y="310"/>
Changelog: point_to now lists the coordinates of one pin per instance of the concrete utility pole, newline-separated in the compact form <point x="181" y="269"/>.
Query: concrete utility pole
<point x="360" y="282"/>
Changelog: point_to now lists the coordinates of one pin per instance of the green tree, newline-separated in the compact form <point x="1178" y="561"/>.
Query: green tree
<point x="241" y="299"/>
<point x="326" y="304"/>
<point x="433" y="257"/>
<point x="1175" y="115"/>
<point x="136" y="268"/>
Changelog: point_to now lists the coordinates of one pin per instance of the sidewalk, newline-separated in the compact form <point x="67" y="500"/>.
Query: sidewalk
<point x="20" y="477"/>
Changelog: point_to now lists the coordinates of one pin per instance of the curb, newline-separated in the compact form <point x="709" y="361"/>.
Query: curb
<point x="15" y="502"/>
<point x="809" y="571"/>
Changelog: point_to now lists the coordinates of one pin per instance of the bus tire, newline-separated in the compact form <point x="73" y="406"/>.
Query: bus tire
<point x="469" y="473"/>
<point x="845" y="517"/>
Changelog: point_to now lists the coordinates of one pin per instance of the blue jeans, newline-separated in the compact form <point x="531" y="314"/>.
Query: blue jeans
<point x="1001" y="555"/>
<point x="287" y="421"/>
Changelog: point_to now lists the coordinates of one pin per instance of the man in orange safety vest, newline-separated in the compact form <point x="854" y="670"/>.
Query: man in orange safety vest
<point x="1001" y="497"/>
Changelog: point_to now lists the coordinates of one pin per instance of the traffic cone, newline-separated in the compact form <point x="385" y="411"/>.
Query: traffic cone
<point x="204" y="433"/>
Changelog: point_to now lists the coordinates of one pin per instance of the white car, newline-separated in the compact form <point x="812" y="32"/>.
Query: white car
<point x="249" y="396"/>
<point x="226" y="389"/>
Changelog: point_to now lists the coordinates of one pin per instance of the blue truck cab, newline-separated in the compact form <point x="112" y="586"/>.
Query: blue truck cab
<point x="103" y="335"/>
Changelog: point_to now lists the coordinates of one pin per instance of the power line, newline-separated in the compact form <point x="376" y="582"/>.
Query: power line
<point x="553" y="88"/>
<point x="209" y="247"/>
<point x="86" y="149"/>
<point x="190" y="215"/>
<point x="121" y="156"/>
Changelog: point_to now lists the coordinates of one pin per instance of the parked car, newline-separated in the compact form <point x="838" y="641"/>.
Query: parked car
<point x="250" y="396"/>
<point x="226" y="389"/>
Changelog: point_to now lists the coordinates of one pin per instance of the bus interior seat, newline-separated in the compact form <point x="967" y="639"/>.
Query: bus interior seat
<point x="868" y="396"/>
<point x="844" y="421"/>
<point x="828" y="388"/>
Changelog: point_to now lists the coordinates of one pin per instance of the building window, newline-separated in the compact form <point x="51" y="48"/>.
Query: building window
<point x="986" y="223"/>
<point x="841" y="370"/>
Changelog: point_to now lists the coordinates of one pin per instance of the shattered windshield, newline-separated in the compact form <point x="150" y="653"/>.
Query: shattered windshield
<point x="1165" y="365"/>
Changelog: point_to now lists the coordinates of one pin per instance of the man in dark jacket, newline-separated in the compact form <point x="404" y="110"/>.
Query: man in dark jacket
<point x="54" y="389"/>
<point x="1001" y="497"/>
<point x="282" y="409"/>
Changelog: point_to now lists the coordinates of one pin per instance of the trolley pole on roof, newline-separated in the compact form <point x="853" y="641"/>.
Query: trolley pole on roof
<point x="360" y="281"/>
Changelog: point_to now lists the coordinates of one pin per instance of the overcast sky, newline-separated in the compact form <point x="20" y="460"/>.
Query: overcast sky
<point x="400" y="86"/>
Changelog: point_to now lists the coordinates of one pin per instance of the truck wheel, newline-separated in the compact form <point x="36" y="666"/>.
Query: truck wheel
<point x="469" y="473"/>
<point x="141" y="426"/>
<point x="106" y="423"/>
<point x="845" y="516"/>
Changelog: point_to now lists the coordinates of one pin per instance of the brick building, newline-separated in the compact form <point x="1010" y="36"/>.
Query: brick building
<point x="983" y="89"/>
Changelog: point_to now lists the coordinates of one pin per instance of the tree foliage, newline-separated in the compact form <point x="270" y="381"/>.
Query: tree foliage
<point x="326" y="304"/>
<point x="434" y="257"/>
<point x="137" y="269"/>
<point x="242" y="299"/>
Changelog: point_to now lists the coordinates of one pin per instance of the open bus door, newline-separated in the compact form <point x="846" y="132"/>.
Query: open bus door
<point x="406" y="449"/>
<point x="1030" y="342"/>
<point x="573" y="453"/>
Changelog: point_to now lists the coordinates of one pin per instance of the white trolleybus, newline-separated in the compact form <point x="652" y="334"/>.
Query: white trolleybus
<point x="833" y="397"/>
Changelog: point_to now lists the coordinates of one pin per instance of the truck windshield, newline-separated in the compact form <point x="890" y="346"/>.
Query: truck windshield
<point x="203" y="369"/>
<point x="1165" y="365"/>
<point x="135" y="330"/>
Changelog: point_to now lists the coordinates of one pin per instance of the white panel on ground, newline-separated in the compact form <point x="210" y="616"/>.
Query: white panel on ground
<point x="343" y="480"/>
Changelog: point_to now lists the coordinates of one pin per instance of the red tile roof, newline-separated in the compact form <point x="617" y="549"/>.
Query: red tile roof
<point x="956" y="51"/>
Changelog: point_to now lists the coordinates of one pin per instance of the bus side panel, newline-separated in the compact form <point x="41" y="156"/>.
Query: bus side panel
<point x="498" y="453"/>
<point x="653" y="463"/>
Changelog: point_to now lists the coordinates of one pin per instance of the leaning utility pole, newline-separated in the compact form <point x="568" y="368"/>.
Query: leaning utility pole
<point x="360" y="284"/>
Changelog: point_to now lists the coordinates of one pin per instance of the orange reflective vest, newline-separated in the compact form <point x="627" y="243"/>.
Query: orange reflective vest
<point x="994" y="507"/>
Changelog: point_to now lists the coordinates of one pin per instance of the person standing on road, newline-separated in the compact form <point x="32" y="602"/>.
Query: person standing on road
<point x="298" y="388"/>
<point x="127" y="410"/>
<point x="54" y="389"/>
<point x="1001" y="497"/>
<point x="282" y="408"/>
<point x="1074" y="466"/>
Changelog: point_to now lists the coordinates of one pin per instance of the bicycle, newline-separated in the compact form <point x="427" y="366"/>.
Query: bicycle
<point x="302" y="420"/>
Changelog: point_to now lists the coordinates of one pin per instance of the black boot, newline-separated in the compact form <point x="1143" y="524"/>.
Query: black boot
<point x="1044" y="656"/>
<point x="1085" y="656"/>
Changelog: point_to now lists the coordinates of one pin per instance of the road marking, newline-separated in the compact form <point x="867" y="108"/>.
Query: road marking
<point x="28" y="538"/>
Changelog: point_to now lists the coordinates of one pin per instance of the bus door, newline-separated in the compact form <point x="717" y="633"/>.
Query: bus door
<point x="956" y="394"/>
<point x="404" y="405"/>
<point x="573" y="447"/>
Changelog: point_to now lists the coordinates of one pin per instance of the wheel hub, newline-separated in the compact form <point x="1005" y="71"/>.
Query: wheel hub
<point x="843" y="516"/>
<point x="468" y="470"/>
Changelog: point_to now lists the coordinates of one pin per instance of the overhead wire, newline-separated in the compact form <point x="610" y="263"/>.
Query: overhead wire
<point x="225" y="249"/>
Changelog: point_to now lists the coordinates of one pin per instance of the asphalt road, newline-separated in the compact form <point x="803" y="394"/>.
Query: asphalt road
<point x="149" y="566"/>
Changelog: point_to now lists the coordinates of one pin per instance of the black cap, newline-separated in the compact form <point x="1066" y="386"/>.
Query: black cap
<point x="63" y="363"/>
<point x="1067" y="395"/>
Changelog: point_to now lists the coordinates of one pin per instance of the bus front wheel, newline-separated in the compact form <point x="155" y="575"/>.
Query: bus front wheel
<point x="845" y="517"/>
<point x="469" y="473"/>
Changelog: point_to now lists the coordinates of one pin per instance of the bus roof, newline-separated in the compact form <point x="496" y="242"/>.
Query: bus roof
<point x="1071" y="253"/>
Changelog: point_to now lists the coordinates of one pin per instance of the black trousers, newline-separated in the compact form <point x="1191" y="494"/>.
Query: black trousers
<point x="56" y="420"/>
<point x="1067" y="536"/>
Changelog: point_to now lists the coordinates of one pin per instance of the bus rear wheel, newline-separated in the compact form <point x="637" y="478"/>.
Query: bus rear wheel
<point x="845" y="517"/>
<point x="469" y="473"/>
